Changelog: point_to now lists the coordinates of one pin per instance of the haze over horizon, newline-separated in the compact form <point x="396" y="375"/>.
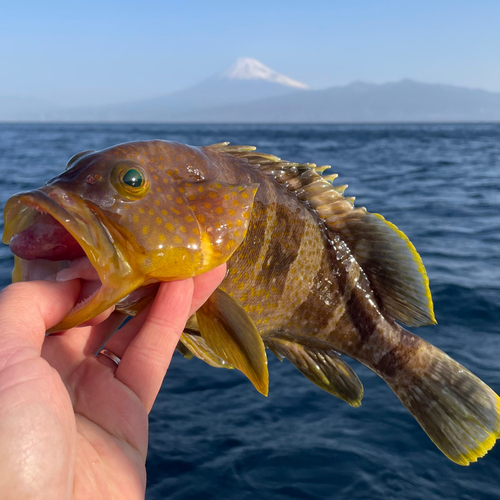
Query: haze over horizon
<point x="114" y="52"/>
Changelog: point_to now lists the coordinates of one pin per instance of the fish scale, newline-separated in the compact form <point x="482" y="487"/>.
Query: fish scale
<point x="310" y="276"/>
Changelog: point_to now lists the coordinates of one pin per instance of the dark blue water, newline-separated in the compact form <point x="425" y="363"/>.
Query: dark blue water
<point x="212" y="435"/>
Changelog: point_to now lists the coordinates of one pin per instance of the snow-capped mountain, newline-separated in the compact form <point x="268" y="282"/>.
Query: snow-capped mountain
<point x="245" y="81"/>
<point x="247" y="68"/>
<point x="250" y="92"/>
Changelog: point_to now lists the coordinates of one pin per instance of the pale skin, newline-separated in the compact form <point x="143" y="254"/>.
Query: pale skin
<point x="73" y="425"/>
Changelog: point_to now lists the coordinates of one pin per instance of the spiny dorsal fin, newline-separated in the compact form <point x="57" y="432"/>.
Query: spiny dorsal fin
<point x="386" y="255"/>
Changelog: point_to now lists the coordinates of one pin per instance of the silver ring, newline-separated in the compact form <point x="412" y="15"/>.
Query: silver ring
<point x="113" y="357"/>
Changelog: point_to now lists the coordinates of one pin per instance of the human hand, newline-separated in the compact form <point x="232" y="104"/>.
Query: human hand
<point x="73" y="426"/>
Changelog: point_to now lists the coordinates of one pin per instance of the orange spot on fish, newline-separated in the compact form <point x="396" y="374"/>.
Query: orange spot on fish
<point x="169" y="227"/>
<point x="219" y="210"/>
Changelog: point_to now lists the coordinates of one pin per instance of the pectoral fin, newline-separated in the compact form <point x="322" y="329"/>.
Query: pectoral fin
<point x="323" y="367"/>
<point x="223" y="213"/>
<point x="231" y="334"/>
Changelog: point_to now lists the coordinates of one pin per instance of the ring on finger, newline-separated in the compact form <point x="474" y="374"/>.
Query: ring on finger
<point x="110" y="355"/>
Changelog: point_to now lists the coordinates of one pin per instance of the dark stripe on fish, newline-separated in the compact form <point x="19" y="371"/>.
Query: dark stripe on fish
<point x="321" y="301"/>
<point x="280" y="257"/>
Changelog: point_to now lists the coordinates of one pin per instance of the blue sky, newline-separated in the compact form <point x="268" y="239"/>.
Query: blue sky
<point x="108" y="51"/>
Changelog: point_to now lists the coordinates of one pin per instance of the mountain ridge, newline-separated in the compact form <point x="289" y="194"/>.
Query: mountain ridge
<point x="250" y="92"/>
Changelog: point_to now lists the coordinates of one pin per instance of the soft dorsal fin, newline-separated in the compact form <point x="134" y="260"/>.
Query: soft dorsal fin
<point x="386" y="255"/>
<point x="392" y="265"/>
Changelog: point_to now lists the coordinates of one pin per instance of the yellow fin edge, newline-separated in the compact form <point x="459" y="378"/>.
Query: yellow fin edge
<point x="418" y="261"/>
<point x="483" y="446"/>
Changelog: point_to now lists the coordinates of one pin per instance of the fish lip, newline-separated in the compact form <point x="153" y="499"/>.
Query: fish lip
<point x="78" y="219"/>
<point x="118" y="279"/>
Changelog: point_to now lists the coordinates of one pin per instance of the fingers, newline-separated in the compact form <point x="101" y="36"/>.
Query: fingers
<point x="204" y="285"/>
<point x="146" y="360"/>
<point x="147" y="342"/>
<point x="27" y="310"/>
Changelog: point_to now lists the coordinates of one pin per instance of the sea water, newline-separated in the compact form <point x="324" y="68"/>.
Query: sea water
<point x="212" y="435"/>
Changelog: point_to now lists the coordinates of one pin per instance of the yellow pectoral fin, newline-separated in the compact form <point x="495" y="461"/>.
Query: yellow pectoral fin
<point x="231" y="334"/>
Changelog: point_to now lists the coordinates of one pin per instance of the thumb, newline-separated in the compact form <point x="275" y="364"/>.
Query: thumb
<point x="28" y="309"/>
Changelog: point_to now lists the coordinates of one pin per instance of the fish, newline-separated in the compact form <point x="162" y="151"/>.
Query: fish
<point x="310" y="277"/>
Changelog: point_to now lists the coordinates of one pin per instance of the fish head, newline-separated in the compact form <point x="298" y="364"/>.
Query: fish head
<point x="141" y="212"/>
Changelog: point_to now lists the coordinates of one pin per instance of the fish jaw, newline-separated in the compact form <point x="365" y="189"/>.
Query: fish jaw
<point x="116" y="275"/>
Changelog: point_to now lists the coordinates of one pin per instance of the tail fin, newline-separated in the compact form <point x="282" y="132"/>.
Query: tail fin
<point x="458" y="411"/>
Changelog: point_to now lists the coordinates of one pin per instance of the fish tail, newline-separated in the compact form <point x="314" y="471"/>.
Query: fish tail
<point x="457" y="410"/>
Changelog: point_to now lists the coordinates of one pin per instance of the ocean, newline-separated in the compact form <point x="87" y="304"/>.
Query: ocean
<point x="212" y="435"/>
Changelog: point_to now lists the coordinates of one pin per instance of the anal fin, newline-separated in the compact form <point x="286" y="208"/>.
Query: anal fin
<point x="325" y="368"/>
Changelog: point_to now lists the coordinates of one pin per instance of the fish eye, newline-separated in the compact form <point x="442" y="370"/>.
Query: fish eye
<point x="133" y="178"/>
<point x="130" y="180"/>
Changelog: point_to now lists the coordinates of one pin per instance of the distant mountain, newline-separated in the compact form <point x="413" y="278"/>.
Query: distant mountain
<point x="245" y="81"/>
<point x="403" y="101"/>
<point x="250" y="92"/>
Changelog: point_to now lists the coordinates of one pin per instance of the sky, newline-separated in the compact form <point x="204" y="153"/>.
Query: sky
<point x="109" y="51"/>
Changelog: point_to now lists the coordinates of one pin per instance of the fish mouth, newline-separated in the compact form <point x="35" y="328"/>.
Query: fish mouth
<point x="92" y="246"/>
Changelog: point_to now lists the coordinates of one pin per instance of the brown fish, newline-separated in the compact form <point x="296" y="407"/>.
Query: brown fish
<point x="310" y="276"/>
